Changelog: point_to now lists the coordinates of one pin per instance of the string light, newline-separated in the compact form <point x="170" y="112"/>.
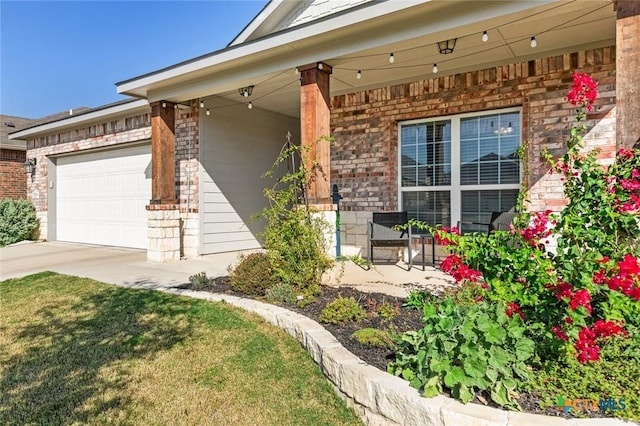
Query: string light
<point x="296" y="71"/>
<point x="250" y="105"/>
<point x="534" y="42"/>
<point x="359" y="75"/>
<point x="435" y="68"/>
<point x="208" y="111"/>
<point x="320" y="66"/>
<point x="392" y="58"/>
<point x="201" y="104"/>
<point x="485" y="37"/>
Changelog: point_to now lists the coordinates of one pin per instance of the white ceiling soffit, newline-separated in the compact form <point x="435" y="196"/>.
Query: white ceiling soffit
<point x="411" y="33"/>
<point x="85" y="119"/>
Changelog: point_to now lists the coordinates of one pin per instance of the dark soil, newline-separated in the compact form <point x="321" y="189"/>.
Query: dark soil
<point x="406" y="320"/>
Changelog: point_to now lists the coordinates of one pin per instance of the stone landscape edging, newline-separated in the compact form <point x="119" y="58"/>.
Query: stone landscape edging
<point x="379" y="398"/>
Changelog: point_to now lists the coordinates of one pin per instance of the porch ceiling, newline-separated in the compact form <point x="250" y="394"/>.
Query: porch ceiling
<point x="412" y="34"/>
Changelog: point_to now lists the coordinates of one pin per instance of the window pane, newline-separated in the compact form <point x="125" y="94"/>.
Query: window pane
<point x="489" y="173"/>
<point x="469" y="174"/>
<point x="426" y="154"/>
<point x="432" y="207"/>
<point x="477" y="206"/>
<point x="510" y="172"/>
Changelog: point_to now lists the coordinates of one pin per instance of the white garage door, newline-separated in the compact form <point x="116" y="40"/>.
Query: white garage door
<point x="101" y="197"/>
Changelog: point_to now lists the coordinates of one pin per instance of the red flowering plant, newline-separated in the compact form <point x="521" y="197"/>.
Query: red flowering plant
<point x="589" y="290"/>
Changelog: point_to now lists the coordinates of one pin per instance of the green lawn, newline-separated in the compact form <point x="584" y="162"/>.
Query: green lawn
<point x="76" y="351"/>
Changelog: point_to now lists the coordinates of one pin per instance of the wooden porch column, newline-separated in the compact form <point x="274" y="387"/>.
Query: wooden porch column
<point x="163" y="153"/>
<point x="315" y="108"/>
<point x="627" y="72"/>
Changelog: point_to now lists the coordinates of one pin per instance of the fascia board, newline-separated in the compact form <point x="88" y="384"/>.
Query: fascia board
<point x="75" y="121"/>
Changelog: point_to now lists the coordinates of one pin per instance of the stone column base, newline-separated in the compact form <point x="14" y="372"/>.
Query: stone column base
<point x="163" y="227"/>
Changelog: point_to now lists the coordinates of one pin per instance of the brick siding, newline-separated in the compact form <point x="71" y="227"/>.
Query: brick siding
<point x="364" y="156"/>
<point x="13" y="179"/>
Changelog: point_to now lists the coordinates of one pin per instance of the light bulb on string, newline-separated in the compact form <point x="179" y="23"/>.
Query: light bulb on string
<point x="435" y="68"/>
<point x="250" y="105"/>
<point x="201" y="104"/>
<point x="392" y="58"/>
<point x="359" y="75"/>
<point x="485" y="37"/>
<point x="534" y="42"/>
<point x="208" y="111"/>
<point x="296" y="71"/>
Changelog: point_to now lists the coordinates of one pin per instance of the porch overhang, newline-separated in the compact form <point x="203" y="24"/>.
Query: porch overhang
<point x="368" y="34"/>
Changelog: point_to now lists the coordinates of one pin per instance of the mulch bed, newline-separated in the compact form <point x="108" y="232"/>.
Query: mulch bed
<point x="407" y="320"/>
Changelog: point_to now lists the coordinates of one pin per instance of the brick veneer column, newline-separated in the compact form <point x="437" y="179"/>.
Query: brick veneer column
<point x="163" y="153"/>
<point x="315" y="123"/>
<point x="627" y="71"/>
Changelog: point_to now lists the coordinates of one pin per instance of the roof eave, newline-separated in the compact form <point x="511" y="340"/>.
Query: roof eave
<point x="94" y="115"/>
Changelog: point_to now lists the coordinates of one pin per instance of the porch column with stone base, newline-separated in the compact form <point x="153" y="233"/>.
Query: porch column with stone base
<point x="163" y="227"/>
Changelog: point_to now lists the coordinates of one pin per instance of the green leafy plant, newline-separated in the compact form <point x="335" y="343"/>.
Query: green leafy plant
<point x="466" y="349"/>
<point x="294" y="234"/>
<point x="199" y="281"/>
<point x="343" y="310"/>
<point x="253" y="275"/>
<point x="281" y="293"/>
<point x="374" y="337"/>
<point x="417" y="299"/>
<point x="17" y="221"/>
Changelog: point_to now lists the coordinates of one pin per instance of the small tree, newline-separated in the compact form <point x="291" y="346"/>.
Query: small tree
<point x="294" y="234"/>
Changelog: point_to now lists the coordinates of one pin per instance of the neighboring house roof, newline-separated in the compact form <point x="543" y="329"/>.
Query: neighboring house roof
<point x="81" y="116"/>
<point x="360" y="35"/>
<point x="8" y="124"/>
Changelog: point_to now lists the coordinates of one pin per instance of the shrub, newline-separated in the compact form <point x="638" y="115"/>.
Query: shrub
<point x="199" y="281"/>
<point x="342" y="310"/>
<point x="384" y="310"/>
<point x="281" y="293"/>
<point x="253" y="275"/>
<point x="294" y="232"/>
<point x="17" y="221"/>
<point x="374" y="337"/>
<point x="466" y="349"/>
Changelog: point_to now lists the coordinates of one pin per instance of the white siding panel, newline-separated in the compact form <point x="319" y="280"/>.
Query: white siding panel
<point x="101" y="197"/>
<point x="237" y="146"/>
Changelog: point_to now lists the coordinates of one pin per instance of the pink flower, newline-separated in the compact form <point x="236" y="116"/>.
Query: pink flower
<point x="514" y="308"/>
<point x="559" y="333"/>
<point x="581" y="298"/>
<point x="584" y="91"/>
<point x="603" y="328"/>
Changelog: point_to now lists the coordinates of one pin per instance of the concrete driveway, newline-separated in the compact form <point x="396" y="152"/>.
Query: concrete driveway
<point x="127" y="267"/>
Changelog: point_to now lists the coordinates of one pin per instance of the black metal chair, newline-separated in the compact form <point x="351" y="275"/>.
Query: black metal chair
<point x="383" y="234"/>
<point x="499" y="221"/>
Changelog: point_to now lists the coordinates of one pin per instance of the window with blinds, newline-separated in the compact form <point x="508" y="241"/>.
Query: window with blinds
<point x="460" y="168"/>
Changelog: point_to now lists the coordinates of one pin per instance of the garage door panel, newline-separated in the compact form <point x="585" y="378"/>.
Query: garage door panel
<point x="101" y="197"/>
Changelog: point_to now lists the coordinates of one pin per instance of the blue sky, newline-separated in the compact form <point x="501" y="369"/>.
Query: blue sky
<point x="61" y="55"/>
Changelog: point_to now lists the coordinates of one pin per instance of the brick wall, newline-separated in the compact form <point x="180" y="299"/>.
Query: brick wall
<point x="187" y="177"/>
<point x="13" y="179"/>
<point x="365" y="124"/>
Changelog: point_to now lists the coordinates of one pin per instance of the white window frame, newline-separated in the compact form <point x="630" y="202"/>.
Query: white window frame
<point x="455" y="189"/>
